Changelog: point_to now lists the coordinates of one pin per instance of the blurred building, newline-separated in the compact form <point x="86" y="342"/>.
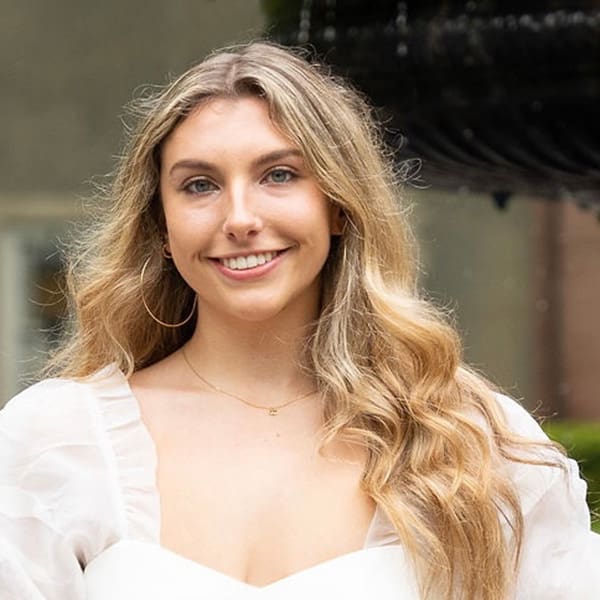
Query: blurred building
<point x="524" y="281"/>
<point x="67" y="69"/>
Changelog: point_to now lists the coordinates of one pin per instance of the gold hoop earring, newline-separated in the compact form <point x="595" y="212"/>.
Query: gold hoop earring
<point x="152" y="316"/>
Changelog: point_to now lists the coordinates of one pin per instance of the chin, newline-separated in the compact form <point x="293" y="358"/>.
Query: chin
<point x="255" y="314"/>
<point x="267" y="306"/>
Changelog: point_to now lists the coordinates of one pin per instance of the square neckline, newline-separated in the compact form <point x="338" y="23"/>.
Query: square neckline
<point x="177" y="558"/>
<point x="370" y="541"/>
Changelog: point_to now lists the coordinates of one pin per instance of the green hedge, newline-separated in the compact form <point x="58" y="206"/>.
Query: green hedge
<point x="582" y="442"/>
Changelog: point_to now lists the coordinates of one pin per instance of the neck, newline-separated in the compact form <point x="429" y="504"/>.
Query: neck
<point x="252" y="359"/>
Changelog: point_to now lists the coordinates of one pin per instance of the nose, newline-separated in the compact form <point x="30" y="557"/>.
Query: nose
<point x="241" y="219"/>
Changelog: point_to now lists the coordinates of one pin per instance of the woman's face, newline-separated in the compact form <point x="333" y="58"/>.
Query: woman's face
<point x="247" y="224"/>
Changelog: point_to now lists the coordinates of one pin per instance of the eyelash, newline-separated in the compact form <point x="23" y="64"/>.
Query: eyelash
<point x="289" y="173"/>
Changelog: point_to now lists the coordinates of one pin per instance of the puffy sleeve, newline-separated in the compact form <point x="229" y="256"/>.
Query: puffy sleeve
<point x="560" y="557"/>
<point x="56" y="500"/>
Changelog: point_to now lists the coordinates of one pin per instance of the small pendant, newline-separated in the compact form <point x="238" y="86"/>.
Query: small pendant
<point x="273" y="412"/>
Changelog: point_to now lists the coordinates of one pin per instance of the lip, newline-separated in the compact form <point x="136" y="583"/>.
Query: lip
<point x="252" y="273"/>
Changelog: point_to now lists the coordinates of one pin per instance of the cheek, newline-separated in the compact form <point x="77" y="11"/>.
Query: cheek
<point x="312" y="213"/>
<point x="315" y="231"/>
<point x="187" y="230"/>
<point x="320" y="224"/>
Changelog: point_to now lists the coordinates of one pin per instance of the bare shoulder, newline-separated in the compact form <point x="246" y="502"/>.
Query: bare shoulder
<point x="163" y="373"/>
<point x="163" y="395"/>
<point x="160" y="384"/>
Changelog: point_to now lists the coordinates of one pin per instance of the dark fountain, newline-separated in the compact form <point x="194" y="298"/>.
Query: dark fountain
<point x="500" y="97"/>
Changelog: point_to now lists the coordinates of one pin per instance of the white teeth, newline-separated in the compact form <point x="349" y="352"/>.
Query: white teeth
<point x="248" y="262"/>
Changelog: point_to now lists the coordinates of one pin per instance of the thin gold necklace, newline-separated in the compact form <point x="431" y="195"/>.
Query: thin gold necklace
<point x="271" y="410"/>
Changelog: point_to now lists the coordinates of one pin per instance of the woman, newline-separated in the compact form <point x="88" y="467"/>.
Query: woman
<point x="254" y="400"/>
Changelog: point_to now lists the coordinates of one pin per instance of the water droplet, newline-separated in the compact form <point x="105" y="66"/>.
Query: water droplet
<point x="402" y="49"/>
<point x="525" y="20"/>
<point x="329" y="34"/>
<point x="511" y="22"/>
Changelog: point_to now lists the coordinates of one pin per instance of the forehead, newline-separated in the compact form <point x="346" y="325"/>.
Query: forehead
<point x="222" y="126"/>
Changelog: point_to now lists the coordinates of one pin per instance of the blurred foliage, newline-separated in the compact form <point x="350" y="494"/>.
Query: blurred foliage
<point x="582" y="442"/>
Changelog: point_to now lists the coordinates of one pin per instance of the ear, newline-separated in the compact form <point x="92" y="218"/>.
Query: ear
<point x="166" y="248"/>
<point x="337" y="219"/>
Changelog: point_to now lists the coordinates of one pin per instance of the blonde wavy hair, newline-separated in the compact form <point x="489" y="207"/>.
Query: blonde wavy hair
<point x="387" y="361"/>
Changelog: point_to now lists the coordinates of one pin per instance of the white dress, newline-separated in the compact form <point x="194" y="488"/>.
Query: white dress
<point x="80" y="515"/>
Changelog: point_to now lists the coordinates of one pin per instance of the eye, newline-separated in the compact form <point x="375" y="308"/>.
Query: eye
<point x="280" y="175"/>
<point x="199" y="186"/>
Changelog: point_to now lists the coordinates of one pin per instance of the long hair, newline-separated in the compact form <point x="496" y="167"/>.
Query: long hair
<point x="386" y="360"/>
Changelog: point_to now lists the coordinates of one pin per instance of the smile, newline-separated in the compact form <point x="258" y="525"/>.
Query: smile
<point x="240" y="263"/>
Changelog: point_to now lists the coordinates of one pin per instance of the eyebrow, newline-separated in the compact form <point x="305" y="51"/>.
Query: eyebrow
<point x="193" y="163"/>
